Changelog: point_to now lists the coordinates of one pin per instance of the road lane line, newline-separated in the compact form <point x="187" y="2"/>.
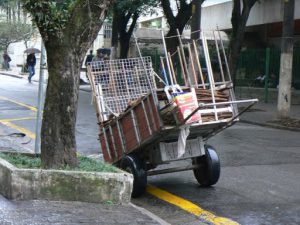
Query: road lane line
<point x="19" y="103"/>
<point x="189" y="206"/>
<point x="18" y="128"/>
<point x="17" y="119"/>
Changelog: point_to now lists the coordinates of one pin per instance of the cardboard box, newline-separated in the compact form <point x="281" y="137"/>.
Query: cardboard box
<point x="186" y="104"/>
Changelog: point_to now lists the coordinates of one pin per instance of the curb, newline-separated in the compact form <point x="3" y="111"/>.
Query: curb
<point x="64" y="185"/>
<point x="270" y="125"/>
<point x="150" y="214"/>
<point x="11" y="75"/>
<point x="82" y="87"/>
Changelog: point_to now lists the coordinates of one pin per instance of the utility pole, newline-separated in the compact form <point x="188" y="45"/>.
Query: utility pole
<point x="37" y="147"/>
<point x="286" y="59"/>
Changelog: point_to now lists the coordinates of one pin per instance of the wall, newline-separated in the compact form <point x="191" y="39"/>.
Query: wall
<point x="263" y="12"/>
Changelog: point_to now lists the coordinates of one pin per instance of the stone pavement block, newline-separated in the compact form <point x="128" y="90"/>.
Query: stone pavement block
<point x="70" y="213"/>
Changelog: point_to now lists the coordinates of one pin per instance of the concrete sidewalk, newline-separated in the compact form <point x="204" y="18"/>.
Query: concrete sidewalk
<point x="38" y="212"/>
<point x="265" y="114"/>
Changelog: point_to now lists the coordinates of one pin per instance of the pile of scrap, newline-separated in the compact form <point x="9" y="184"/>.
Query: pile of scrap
<point x="169" y="112"/>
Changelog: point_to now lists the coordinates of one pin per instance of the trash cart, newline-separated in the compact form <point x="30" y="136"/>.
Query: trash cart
<point x="148" y="120"/>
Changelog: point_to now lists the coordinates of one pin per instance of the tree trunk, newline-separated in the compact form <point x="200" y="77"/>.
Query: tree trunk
<point x="19" y="11"/>
<point x="59" y="120"/>
<point x="66" y="46"/>
<point x="124" y="45"/>
<point x="176" y="22"/>
<point x="9" y="14"/>
<point x="234" y="52"/>
<point x="196" y="20"/>
<point x="172" y="40"/>
<point x="238" y="20"/>
<point x="115" y="33"/>
<point x="286" y="59"/>
<point x="124" y="33"/>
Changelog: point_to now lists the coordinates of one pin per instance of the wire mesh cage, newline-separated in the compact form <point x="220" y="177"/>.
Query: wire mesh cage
<point x="122" y="81"/>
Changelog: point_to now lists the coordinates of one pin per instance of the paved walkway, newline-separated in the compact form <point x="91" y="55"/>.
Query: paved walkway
<point x="72" y="213"/>
<point x="265" y="114"/>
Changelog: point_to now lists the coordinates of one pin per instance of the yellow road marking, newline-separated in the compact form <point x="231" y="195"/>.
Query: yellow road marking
<point x="7" y="122"/>
<point x="189" y="206"/>
<point x="19" y="103"/>
<point x="17" y="119"/>
<point x="18" y="128"/>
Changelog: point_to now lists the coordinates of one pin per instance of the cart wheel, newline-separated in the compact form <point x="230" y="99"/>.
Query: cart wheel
<point x="209" y="171"/>
<point x="132" y="164"/>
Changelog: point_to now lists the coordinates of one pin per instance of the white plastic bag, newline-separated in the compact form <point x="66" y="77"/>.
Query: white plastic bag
<point x="183" y="134"/>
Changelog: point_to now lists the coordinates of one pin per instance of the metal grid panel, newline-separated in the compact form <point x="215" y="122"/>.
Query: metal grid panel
<point x="123" y="81"/>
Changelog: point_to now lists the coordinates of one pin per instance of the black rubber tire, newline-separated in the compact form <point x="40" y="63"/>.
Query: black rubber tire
<point x="132" y="164"/>
<point x="209" y="171"/>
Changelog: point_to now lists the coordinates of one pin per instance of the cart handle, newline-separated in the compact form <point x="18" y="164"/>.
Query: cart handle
<point x="253" y="101"/>
<point x="230" y="122"/>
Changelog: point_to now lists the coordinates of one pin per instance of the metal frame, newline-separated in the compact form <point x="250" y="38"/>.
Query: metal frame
<point x="115" y="83"/>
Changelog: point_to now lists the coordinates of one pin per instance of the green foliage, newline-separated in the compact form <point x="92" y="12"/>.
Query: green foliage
<point x="136" y="6"/>
<point x="13" y="32"/>
<point x="86" y="164"/>
<point x="109" y="203"/>
<point x="22" y="161"/>
<point x="50" y="16"/>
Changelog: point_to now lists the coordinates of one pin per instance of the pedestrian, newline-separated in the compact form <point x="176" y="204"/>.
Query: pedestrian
<point x="101" y="66"/>
<point x="99" y="56"/>
<point x="6" y="60"/>
<point x="31" y="61"/>
<point x="89" y="58"/>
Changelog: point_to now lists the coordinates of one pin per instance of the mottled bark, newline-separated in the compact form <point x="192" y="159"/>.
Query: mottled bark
<point x="59" y="119"/>
<point x="65" y="53"/>
<point x="286" y="59"/>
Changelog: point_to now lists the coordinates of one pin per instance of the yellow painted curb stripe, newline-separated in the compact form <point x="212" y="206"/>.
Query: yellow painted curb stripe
<point x="17" y="119"/>
<point x="19" y="103"/>
<point x="189" y="206"/>
<point x="18" y="128"/>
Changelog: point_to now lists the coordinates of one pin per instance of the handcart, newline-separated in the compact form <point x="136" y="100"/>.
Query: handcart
<point x="143" y="126"/>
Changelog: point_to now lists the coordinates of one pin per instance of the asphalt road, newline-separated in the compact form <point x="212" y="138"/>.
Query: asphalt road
<point x="14" y="92"/>
<point x="259" y="183"/>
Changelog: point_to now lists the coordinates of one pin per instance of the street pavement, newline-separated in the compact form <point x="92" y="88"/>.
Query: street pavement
<point x="46" y="212"/>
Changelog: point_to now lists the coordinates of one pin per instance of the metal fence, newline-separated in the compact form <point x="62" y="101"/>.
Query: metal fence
<point x="257" y="65"/>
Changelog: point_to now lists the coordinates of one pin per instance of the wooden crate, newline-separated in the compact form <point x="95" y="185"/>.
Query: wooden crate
<point x="126" y="133"/>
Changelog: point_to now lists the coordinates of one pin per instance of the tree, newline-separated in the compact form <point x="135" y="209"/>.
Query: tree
<point x="68" y="28"/>
<point x="13" y="10"/>
<point x="125" y="16"/>
<point x="240" y="13"/>
<point x="286" y="59"/>
<point x="196" y="20"/>
<point x="13" y="32"/>
<point x="179" y="21"/>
